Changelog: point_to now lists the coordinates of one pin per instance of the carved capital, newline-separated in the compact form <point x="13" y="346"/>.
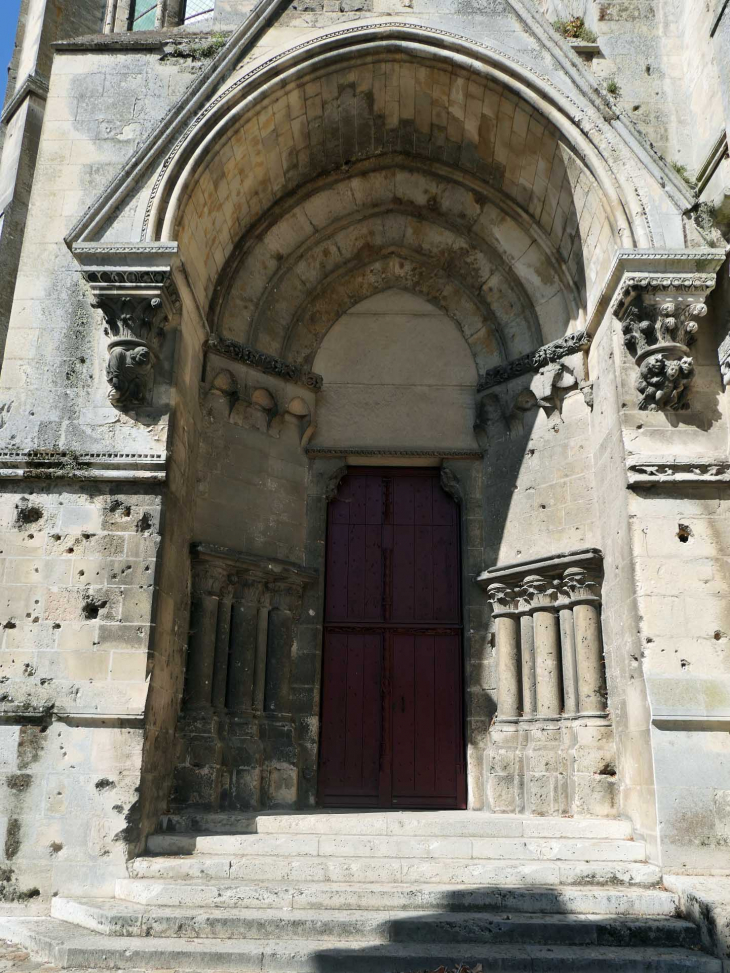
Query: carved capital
<point x="660" y="315"/>
<point x="286" y="596"/>
<point x="137" y="306"/>
<point x="211" y="580"/>
<point x="537" y="593"/>
<point x="581" y="586"/>
<point x="503" y="600"/>
<point x="250" y="587"/>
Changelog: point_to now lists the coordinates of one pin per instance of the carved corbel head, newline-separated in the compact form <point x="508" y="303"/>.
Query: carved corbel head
<point x="137" y="306"/>
<point x="660" y="317"/>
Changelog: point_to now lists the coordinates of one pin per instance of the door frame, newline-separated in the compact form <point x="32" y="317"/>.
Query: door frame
<point x="386" y="752"/>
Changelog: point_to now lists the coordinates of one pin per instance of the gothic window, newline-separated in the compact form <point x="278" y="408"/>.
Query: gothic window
<point x="143" y="14"/>
<point x="196" y="10"/>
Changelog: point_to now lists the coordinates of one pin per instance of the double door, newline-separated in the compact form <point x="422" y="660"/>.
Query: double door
<point x="391" y="732"/>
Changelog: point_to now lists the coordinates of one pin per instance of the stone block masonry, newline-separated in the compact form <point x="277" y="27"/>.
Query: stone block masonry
<point x="79" y="568"/>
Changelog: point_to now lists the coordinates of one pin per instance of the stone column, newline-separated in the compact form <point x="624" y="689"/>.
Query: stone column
<point x="546" y="646"/>
<point x="507" y="643"/>
<point x="286" y="605"/>
<point x="527" y="651"/>
<point x="586" y="601"/>
<point x="222" y="643"/>
<point x="207" y="580"/>
<point x="262" y="638"/>
<point x="567" y="651"/>
<point x="245" y="613"/>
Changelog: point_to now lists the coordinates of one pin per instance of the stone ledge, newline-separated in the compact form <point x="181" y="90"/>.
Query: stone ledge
<point x="548" y="565"/>
<point x="273" y="567"/>
<point x="660" y="470"/>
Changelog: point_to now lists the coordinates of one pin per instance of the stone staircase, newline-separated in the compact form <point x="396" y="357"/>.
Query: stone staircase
<point x="380" y="892"/>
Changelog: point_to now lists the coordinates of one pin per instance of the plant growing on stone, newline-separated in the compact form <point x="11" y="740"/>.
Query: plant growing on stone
<point x="575" y="29"/>
<point x="613" y="87"/>
<point x="198" y="52"/>
<point x="683" y="172"/>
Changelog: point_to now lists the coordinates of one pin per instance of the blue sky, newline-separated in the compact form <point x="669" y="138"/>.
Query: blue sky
<point x="8" y="22"/>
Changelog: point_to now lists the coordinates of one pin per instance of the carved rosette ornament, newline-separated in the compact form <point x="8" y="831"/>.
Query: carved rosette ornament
<point x="137" y="306"/>
<point x="660" y="317"/>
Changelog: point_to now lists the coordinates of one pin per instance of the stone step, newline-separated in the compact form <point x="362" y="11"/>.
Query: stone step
<point x="442" y="898"/>
<point x="442" y="871"/>
<point x="69" y="947"/>
<point x="115" y="918"/>
<point x="469" y="824"/>
<point x="384" y="846"/>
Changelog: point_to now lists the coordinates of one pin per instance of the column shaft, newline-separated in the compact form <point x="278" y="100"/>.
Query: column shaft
<point x="508" y="661"/>
<point x="589" y="658"/>
<point x="527" y="642"/>
<point x="244" y="630"/>
<point x="222" y="643"/>
<point x="277" y="693"/>
<point x="547" y="663"/>
<point x="567" y="643"/>
<point x="201" y="650"/>
<point x="262" y="630"/>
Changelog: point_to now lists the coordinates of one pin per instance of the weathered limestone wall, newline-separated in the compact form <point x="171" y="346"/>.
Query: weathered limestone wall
<point x="679" y="547"/>
<point x="40" y="25"/>
<point x="82" y="689"/>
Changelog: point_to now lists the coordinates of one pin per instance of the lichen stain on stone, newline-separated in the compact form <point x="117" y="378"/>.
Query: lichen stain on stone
<point x="30" y="744"/>
<point x="12" y="838"/>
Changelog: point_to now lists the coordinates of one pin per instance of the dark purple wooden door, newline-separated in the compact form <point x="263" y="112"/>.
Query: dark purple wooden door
<point x="391" y="731"/>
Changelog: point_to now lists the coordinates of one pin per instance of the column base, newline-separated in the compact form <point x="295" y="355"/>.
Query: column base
<point x="559" y="766"/>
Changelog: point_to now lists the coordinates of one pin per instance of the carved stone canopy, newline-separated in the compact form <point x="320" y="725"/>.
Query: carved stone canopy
<point x="660" y="315"/>
<point x="137" y="306"/>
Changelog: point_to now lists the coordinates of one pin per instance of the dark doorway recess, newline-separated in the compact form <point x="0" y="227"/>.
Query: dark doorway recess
<point x="392" y="661"/>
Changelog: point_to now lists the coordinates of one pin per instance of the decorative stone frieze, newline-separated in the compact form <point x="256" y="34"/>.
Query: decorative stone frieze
<point x="548" y="636"/>
<point x="137" y="306"/>
<point x="536" y="360"/>
<point x="264" y="362"/>
<point x="668" y="470"/>
<point x="660" y="315"/>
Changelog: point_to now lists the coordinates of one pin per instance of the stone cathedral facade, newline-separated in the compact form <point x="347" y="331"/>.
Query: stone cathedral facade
<point x="363" y="420"/>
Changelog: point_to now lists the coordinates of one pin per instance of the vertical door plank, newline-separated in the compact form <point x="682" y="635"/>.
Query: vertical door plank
<point x="428" y="699"/>
<point x="334" y="709"/>
<point x="423" y="569"/>
<point x="354" y="698"/>
<point x="336" y="566"/>
<point x="372" y="712"/>
<point x="403" y="707"/>
<point x="447" y="729"/>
